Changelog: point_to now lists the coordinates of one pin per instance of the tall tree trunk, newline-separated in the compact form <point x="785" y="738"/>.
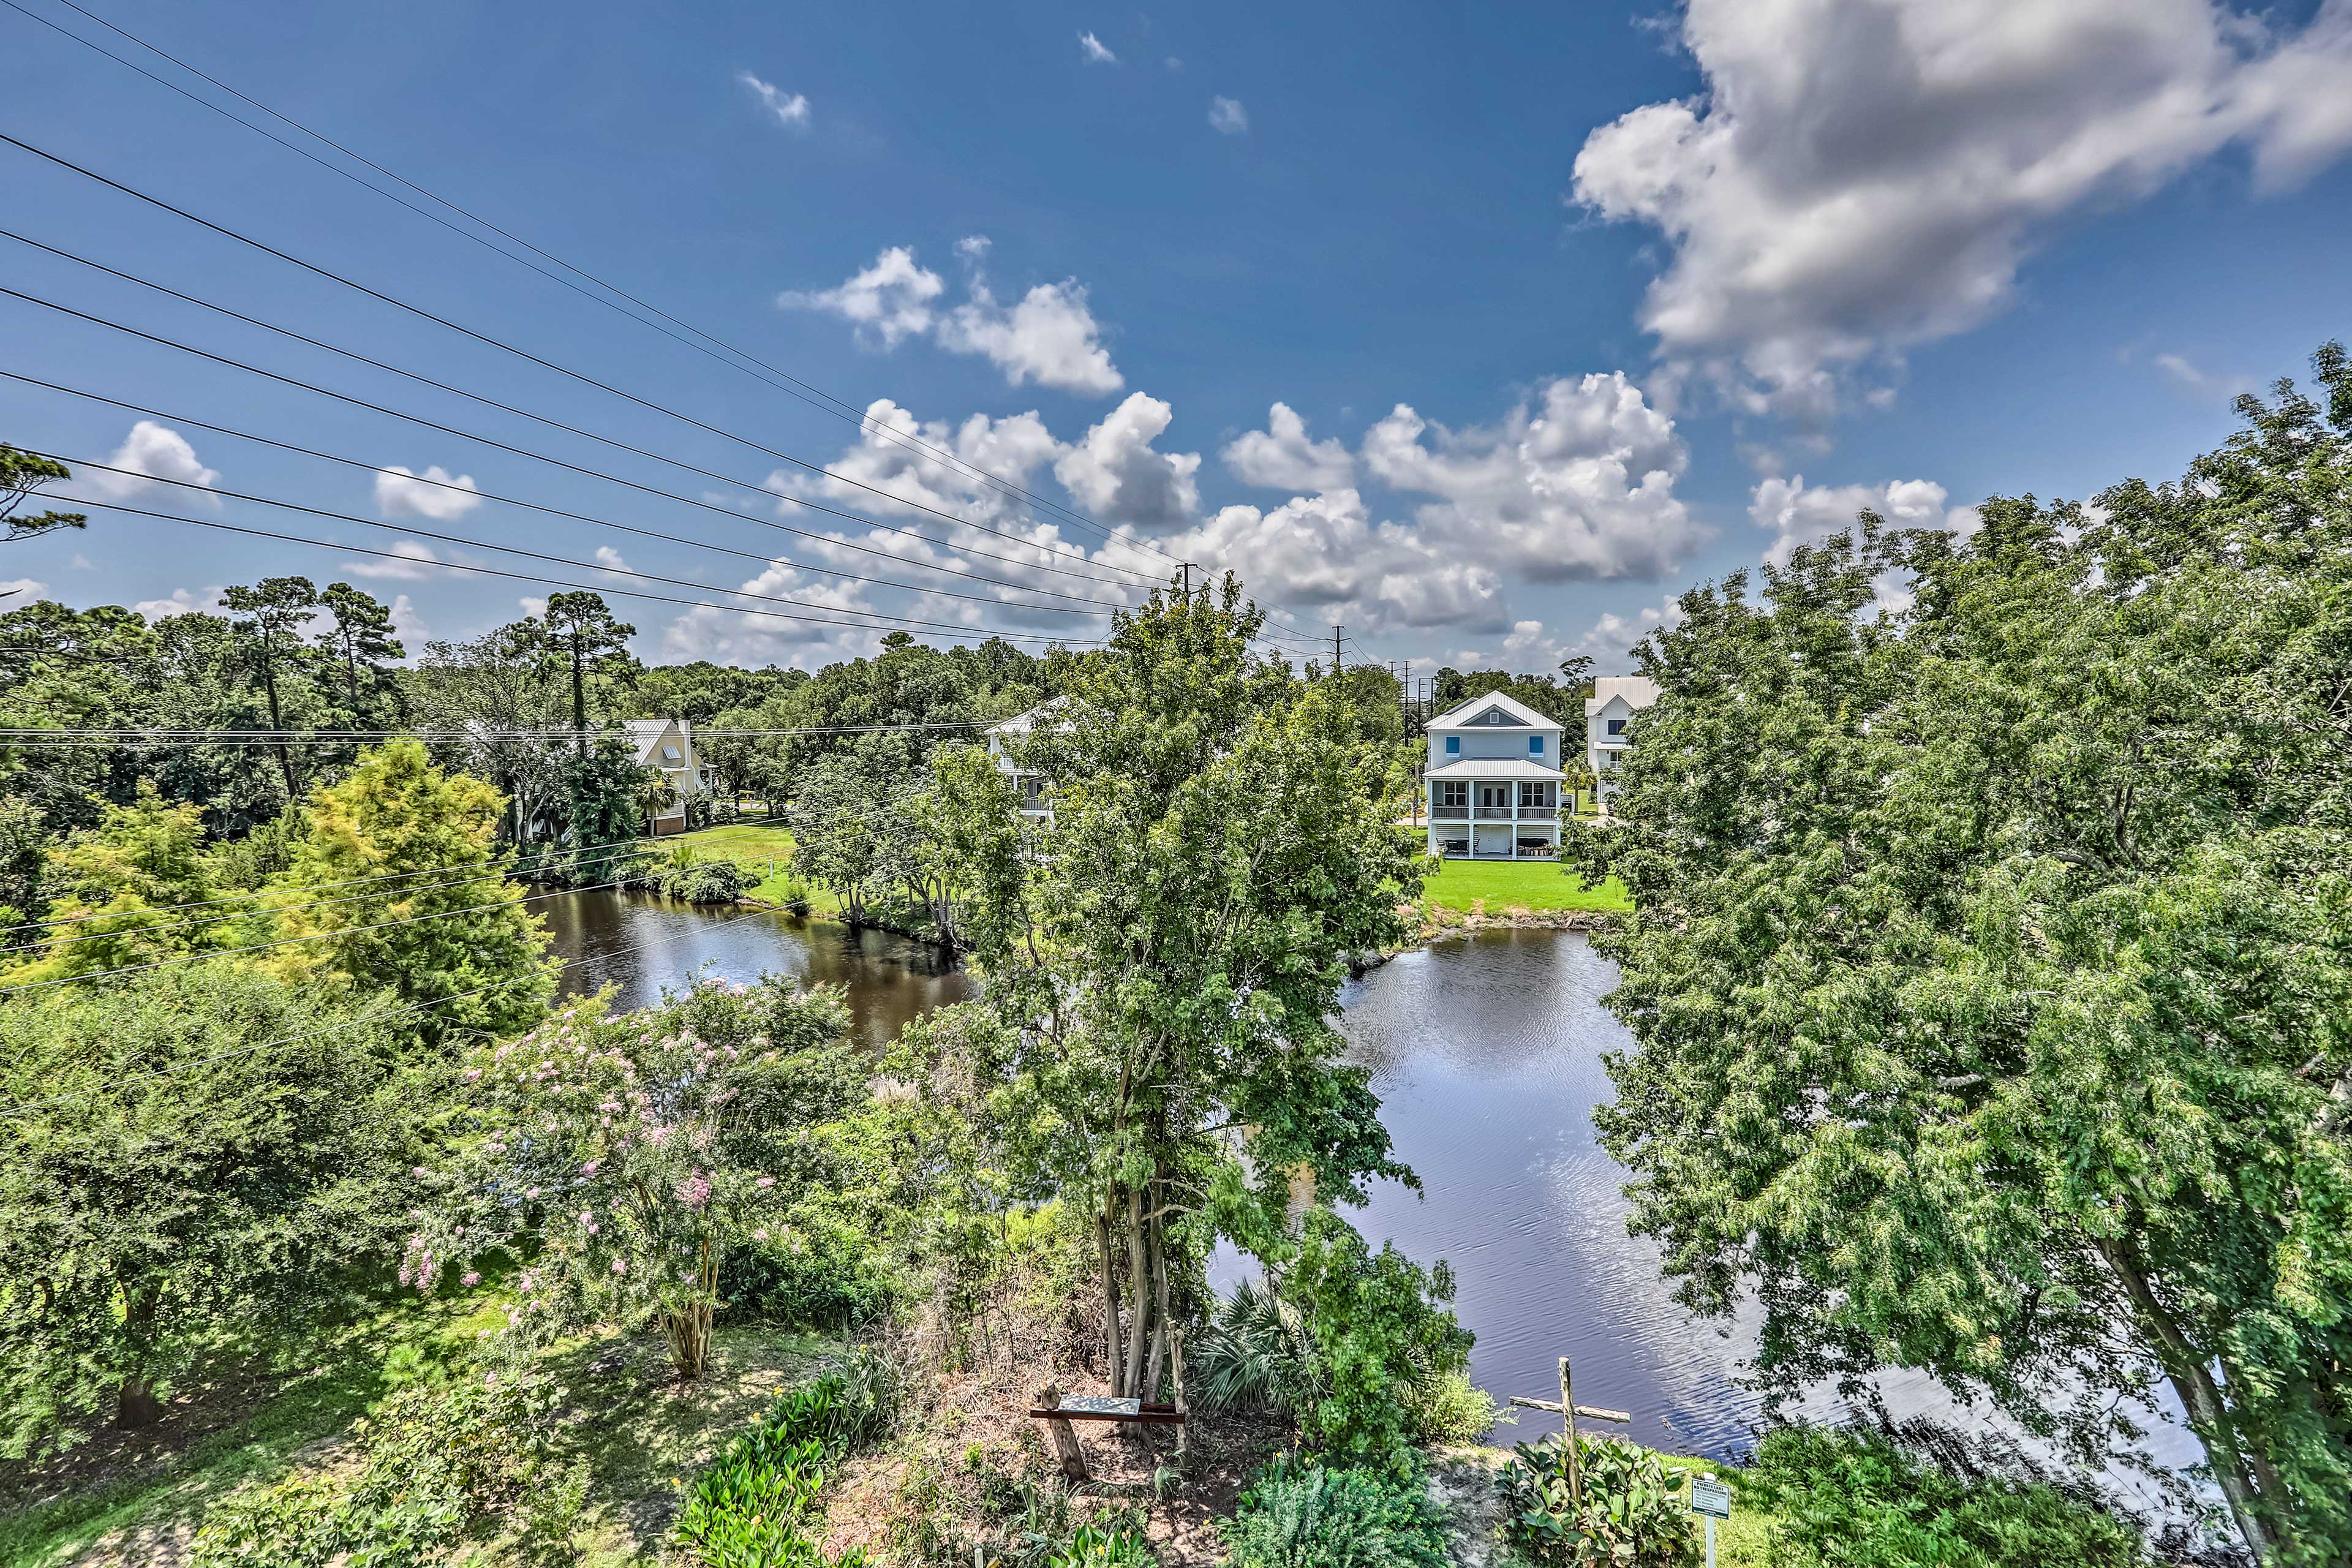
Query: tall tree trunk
<point x="136" y="1405"/>
<point x="1157" y="1364"/>
<point x="2208" y="1414"/>
<point x="269" y="685"/>
<point x="1112" y="1366"/>
<point x="579" y="699"/>
<point x="1138" y="1288"/>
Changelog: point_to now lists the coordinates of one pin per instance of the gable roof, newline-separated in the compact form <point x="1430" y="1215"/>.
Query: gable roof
<point x="645" y="735"/>
<point x="1638" y="692"/>
<point x="1464" y="717"/>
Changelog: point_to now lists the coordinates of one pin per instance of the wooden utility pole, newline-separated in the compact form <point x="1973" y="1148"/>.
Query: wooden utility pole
<point x="1335" y="650"/>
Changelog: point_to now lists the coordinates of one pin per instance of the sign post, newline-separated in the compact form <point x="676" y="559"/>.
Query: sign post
<point x="1711" y="1500"/>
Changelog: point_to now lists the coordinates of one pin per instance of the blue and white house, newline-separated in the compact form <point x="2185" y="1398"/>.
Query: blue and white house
<point x="1608" y="713"/>
<point x="1036" y="799"/>
<point x="1494" y="780"/>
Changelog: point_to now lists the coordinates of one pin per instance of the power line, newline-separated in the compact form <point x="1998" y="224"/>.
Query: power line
<point x="1133" y="577"/>
<point x="484" y="338"/>
<point x="535" y="554"/>
<point x="470" y="490"/>
<point x="529" y="578"/>
<point x="791" y="384"/>
<point x="549" y="732"/>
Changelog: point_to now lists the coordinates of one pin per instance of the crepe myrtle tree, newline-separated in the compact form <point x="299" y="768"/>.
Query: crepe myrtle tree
<point x="624" y="1157"/>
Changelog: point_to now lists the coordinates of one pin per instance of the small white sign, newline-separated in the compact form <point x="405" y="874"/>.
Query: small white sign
<point x="1711" y="1498"/>
<point x="1094" y="1405"/>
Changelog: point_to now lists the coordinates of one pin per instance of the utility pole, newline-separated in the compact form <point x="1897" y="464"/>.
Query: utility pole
<point x="1335" y="650"/>
<point x="1187" y="567"/>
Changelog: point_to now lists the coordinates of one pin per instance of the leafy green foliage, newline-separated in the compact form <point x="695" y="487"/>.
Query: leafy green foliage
<point x="747" y="1508"/>
<point x="1847" y="1500"/>
<point x="429" y="840"/>
<point x="624" y="1157"/>
<point x="1308" y="1516"/>
<point x="1094" y="1546"/>
<point x="193" y="1157"/>
<point x="1378" y="1329"/>
<point x="447" y="1464"/>
<point x="1253" y="1354"/>
<point x="1165" y="954"/>
<point x="1988" y="963"/>
<point x="1633" y="1513"/>
<point x="1447" y="1408"/>
<point x="22" y="473"/>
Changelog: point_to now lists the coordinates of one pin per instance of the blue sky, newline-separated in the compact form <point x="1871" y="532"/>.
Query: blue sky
<point x="1566" y="307"/>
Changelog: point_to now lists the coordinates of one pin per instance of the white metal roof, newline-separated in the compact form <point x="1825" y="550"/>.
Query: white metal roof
<point x="1494" y="768"/>
<point x="1460" y="718"/>
<point x="1638" y="690"/>
<point x="645" y="735"/>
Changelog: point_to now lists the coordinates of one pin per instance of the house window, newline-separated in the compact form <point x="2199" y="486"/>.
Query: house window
<point x="1534" y="745"/>
<point x="669" y="753"/>
<point x="1453" y="792"/>
<point x="1453" y="745"/>
<point x="1533" y="795"/>
<point x="1616" y="726"/>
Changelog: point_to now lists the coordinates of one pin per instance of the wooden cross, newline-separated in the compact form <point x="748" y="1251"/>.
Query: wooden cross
<point x="1569" y="1411"/>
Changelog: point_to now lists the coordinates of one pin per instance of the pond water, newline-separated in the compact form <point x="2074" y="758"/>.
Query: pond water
<point x="1485" y="1052"/>
<point x="641" y="943"/>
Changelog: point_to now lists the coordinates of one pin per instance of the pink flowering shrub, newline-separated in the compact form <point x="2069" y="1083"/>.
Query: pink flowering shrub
<point x="623" y="1157"/>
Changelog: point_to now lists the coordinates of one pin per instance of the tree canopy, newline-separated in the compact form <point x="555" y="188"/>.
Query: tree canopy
<point x="1991" y="966"/>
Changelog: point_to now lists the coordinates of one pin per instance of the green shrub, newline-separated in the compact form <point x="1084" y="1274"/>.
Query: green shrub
<point x="1307" y="1516"/>
<point x="706" y="881"/>
<point x="746" y="1508"/>
<point x="1633" y="1514"/>
<point x="1089" y="1546"/>
<point x="1446" y="1408"/>
<point x="1253" y="1355"/>
<point x="460" y="1461"/>
<point x="793" y="894"/>
<point x="1856" y="1501"/>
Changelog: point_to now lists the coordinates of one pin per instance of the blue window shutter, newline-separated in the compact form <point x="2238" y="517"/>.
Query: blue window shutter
<point x="1453" y="745"/>
<point x="1534" y="745"/>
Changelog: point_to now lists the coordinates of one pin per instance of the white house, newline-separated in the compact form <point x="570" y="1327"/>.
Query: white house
<point x="1607" y="713"/>
<point x="668" y="744"/>
<point x="1035" y="799"/>
<point x="1494" y="781"/>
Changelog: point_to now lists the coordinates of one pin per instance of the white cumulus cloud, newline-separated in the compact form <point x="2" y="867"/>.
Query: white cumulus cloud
<point x="412" y="560"/>
<point x="791" y="109"/>
<point x="891" y="300"/>
<point x="153" y="459"/>
<point x="1048" y="336"/>
<point x="1324" y="554"/>
<point x="1860" y="175"/>
<point x="1227" y="116"/>
<point x="1096" y="51"/>
<point x="437" y="493"/>
<point x="1280" y="457"/>
<point x="181" y="601"/>
<point x="1118" y="477"/>
<point x="1797" y="513"/>
<point x="1579" y="484"/>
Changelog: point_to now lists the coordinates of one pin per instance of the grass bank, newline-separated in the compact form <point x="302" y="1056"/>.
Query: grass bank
<point x="1540" y="887"/>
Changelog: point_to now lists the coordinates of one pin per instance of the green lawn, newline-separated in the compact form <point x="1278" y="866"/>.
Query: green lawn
<point x="1537" y="885"/>
<point x="766" y="850"/>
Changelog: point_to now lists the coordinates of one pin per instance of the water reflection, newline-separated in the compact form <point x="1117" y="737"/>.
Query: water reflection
<point x="640" y="942"/>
